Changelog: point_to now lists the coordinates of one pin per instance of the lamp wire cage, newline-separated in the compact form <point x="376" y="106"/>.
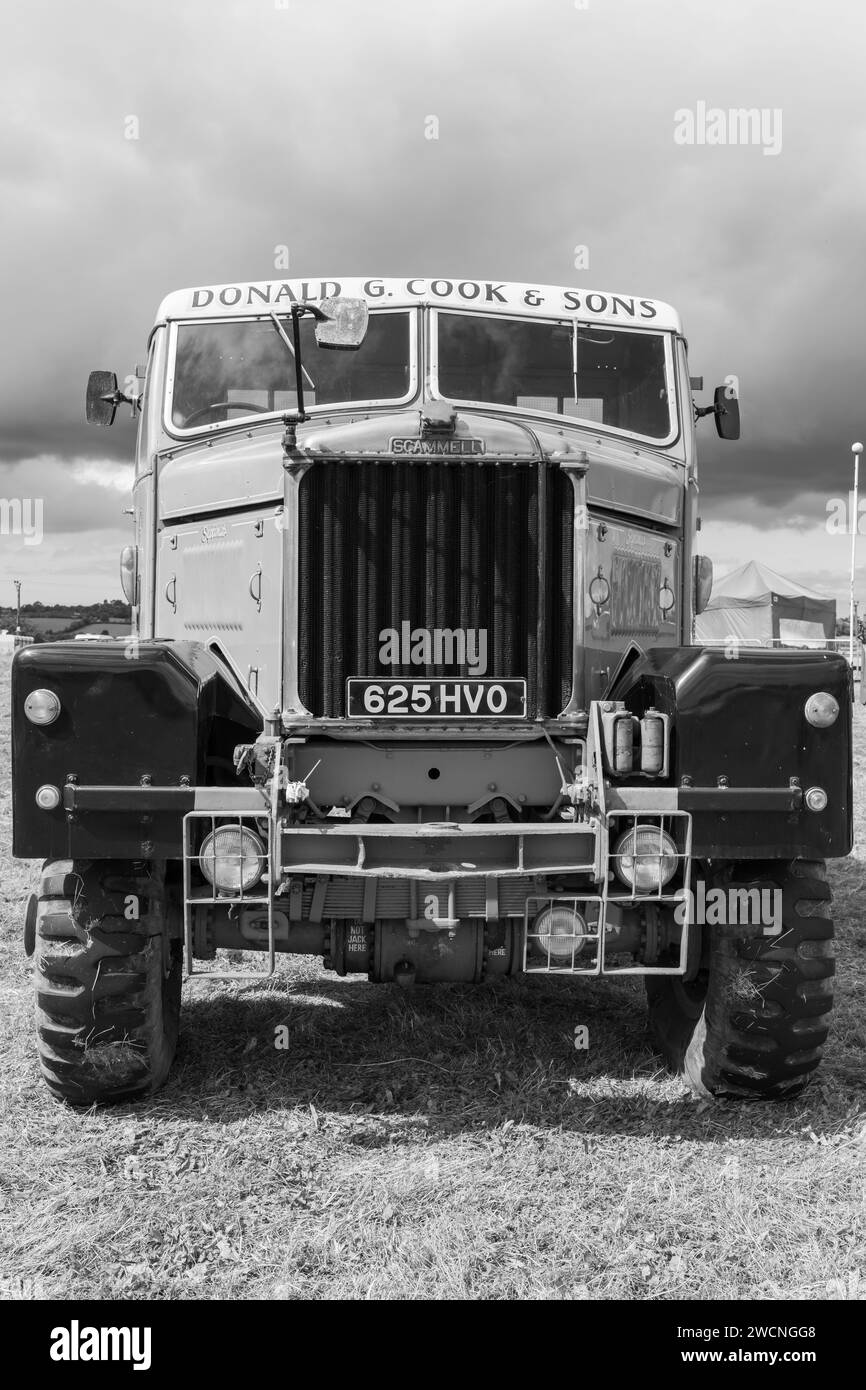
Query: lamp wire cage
<point x="203" y="895"/>
<point x="588" y="947"/>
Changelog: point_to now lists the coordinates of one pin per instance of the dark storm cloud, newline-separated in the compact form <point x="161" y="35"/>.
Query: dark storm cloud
<point x="262" y="126"/>
<point x="74" y="494"/>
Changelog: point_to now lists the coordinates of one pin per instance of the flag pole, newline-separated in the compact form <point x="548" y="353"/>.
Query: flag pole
<point x="856" y="450"/>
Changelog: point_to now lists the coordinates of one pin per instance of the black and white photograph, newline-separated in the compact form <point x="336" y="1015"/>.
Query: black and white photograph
<point x="432" y="624"/>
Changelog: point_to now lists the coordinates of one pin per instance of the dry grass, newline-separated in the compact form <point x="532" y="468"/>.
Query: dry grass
<point x="445" y="1144"/>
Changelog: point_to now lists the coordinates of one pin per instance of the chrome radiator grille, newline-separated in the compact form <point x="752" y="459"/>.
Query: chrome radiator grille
<point x="439" y="544"/>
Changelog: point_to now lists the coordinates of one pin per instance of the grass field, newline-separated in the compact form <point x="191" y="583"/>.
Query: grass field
<point x="445" y="1144"/>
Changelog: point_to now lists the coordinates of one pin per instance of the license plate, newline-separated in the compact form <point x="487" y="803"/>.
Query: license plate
<point x="436" y="699"/>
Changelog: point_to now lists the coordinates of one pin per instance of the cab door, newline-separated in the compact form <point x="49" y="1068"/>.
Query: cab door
<point x="220" y="581"/>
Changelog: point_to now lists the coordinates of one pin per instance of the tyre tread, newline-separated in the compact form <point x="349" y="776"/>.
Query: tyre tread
<point x="738" y="1047"/>
<point x="106" y="1012"/>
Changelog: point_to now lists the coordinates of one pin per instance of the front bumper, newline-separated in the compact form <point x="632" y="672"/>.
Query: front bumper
<point x="138" y="741"/>
<point x="453" y="881"/>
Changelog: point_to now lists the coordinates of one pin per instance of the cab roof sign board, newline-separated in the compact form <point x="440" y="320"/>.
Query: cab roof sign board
<point x="491" y="296"/>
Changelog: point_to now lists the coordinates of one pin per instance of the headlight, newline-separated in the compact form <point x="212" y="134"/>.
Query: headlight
<point x="232" y="858"/>
<point x="42" y="707"/>
<point x="645" y="858"/>
<point x="822" y="709"/>
<point x="129" y="574"/>
<point x="703" y="582"/>
<point x="560" y="932"/>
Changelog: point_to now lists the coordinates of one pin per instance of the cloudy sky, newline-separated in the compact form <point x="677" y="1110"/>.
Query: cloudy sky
<point x="304" y="123"/>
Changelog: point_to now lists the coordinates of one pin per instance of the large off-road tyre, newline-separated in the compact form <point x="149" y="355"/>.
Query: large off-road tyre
<point x="753" y="1022"/>
<point x="108" y="979"/>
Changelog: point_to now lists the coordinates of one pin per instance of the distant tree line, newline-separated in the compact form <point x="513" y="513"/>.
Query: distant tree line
<point x="79" y="615"/>
<point x="842" y="626"/>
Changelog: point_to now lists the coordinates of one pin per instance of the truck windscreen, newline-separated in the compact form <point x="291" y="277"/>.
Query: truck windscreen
<point x="227" y="369"/>
<point x="623" y="380"/>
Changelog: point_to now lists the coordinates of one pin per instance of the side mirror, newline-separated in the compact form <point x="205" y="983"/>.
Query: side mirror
<point x="344" y="325"/>
<point x="703" y="582"/>
<point x="103" y="398"/>
<point x="726" y="408"/>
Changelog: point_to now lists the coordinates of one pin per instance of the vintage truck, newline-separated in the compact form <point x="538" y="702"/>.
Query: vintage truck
<point x="412" y="687"/>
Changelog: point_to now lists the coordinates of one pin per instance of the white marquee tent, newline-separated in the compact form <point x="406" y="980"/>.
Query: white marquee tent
<point x="754" y="604"/>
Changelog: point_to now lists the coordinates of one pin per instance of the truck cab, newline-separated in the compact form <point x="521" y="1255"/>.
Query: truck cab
<point x="412" y="685"/>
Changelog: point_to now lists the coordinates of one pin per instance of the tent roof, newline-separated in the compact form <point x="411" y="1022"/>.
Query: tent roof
<point x="754" y="583"/>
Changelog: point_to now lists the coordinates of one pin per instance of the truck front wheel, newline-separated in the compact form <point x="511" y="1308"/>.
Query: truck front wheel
<point x="754" y="1020"/>
<point x="108" y="979"/>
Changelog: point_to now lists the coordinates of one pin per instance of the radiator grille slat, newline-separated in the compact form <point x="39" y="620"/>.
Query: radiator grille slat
<point x="437" y="545"/>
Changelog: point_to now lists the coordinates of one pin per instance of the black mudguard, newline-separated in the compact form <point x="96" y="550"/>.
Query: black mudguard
<point x="739" y="720"/>
<point x="164" y="711"/>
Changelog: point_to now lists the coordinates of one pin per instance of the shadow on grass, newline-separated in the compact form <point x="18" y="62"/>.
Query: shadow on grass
<point x="454" y="1060"/>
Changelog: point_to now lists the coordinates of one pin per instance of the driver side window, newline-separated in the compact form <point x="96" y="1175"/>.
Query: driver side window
<point x="151" y="404"/>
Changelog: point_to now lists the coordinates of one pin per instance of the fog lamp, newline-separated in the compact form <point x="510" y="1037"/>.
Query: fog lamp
<point x="560" y="932"/>
<point x="47" y="797"/>
<point x="645" y="858"/>
<point x="232" y="858"/>
<point x="42" y="707"/>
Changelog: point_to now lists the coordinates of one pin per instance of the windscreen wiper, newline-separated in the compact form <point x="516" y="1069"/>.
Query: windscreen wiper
<point x="296" y="355"/>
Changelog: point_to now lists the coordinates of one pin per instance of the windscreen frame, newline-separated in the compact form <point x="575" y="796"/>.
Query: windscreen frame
<point x="237" y="420"/>
<point x="560" y="321"/>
